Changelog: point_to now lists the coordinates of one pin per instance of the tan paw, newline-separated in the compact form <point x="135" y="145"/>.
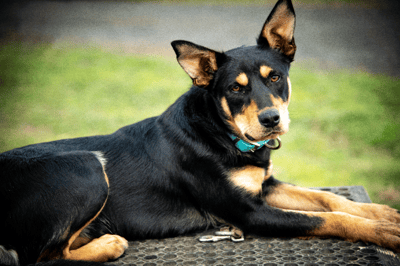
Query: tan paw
<point x="380" y="232"/>
<point x="379" y="211"/>
<point x="112" y="245"/>
<point x="387" y="234"/>
<point x="102" y="249"/>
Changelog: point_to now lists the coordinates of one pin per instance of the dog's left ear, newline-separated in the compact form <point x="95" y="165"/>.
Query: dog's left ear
<point x="278" y="29"/>
<point x="199" y="62"/>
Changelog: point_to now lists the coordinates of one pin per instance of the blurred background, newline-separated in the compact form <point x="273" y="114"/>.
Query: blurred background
<point x="77" y="68"/>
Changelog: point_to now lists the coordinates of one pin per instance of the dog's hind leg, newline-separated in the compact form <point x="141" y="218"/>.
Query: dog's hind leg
<point x="48" y="198"/>
<point x="102" y="249"/>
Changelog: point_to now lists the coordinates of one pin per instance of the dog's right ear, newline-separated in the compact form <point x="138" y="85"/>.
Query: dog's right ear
<point x="278" y="30"/>
<point x="199" y="62"/>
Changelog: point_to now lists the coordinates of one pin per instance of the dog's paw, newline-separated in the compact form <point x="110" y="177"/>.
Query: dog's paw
<point x="102" y="249"/>
<point x="387" y="234"/>
<point x="380" y="232"/>
<point x="379" y="211"/>
<point x="105" y="248"/>
<point x="113" y="245"/>
<point x="355" y="228"/>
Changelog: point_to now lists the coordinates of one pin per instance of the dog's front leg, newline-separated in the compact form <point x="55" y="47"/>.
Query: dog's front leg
<point x="286" y="196"/>
<point x="292" y="223"/>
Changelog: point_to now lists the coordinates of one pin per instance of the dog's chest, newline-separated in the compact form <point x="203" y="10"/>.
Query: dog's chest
<point x="249" y="177"/>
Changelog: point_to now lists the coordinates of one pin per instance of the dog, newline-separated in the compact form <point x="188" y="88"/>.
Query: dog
<point x="204" y="162"/>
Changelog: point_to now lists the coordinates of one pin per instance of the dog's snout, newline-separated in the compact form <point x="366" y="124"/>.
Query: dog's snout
<point x="269" y="118"/>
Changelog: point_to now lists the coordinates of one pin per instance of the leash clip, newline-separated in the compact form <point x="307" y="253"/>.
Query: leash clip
<point x="223" y="234"/>
<point x="256" y="147"/>
<point x="216" y="238"/>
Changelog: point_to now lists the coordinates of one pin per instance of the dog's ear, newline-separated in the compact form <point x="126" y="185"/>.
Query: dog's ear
<point x="199" y="63"/>
<point x="278" y="29"/>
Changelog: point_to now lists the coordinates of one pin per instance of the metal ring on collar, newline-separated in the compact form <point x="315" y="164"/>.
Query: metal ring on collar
<point x="274" y="147"/>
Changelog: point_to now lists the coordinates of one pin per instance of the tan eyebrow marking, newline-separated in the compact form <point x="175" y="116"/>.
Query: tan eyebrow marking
<point x="242" y="79"/>
<point x="265" y="70"/>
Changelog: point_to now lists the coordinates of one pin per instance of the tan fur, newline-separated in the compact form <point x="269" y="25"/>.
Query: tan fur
<point x="242" y="79"/>
<point x="250" y="178"/>
<point x="247" y="120"/>
<point x="198" y="64"/>
<point x="265" y="70"/>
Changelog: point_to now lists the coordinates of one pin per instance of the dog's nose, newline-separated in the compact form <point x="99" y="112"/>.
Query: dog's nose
<point x="269" y="118"/>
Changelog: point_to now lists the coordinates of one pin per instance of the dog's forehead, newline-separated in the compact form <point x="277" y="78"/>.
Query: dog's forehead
<point x="250" y="57"/>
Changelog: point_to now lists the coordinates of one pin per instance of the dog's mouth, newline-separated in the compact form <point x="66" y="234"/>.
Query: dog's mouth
<point x="273" y="134"/>
<point x="249" y="137"/>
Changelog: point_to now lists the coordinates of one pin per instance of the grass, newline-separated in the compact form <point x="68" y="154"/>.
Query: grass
<point x="343" y="131"/>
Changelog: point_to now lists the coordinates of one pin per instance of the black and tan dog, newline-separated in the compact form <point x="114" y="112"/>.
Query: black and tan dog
<point x="205" y="160"/>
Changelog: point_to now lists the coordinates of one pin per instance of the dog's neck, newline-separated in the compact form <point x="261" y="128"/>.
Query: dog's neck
<point x="245" y="146"/>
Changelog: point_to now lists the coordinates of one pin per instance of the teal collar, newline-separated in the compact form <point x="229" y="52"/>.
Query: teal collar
<point x="245" y="146"/>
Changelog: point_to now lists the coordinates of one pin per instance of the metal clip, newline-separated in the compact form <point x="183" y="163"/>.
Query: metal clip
<point x="221" y="235"/>
<point x="234" y="239"/>
<point x="213" y="238"/>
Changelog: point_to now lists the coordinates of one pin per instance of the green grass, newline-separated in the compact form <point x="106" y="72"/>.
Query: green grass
<point x="60" y="93"/>
<point x="343" y="130"/>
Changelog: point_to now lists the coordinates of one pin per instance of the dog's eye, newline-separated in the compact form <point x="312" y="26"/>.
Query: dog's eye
<point x="235" y="89"/>
<point x="275" y="78"/>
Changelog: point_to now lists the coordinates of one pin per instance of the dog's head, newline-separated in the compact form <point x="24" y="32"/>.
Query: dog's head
<point x="251" y="84"/>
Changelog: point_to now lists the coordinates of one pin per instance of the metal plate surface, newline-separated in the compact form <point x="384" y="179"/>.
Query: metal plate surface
<point x="187" y="250"/>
